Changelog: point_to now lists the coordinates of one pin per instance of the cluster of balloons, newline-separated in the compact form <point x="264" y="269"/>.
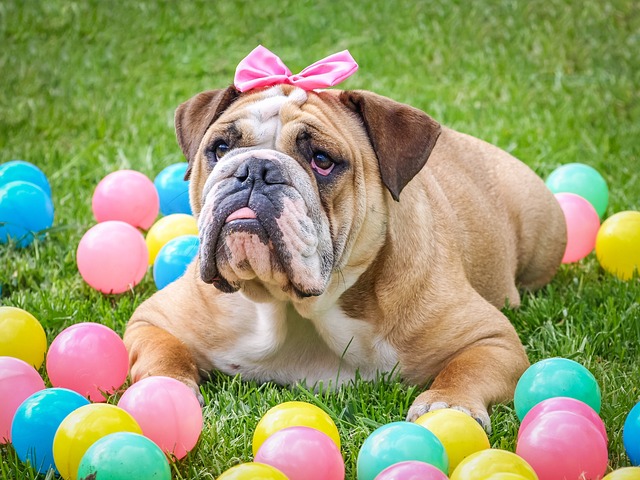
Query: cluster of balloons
<point x="69" y="428"/>
<point x="113" y="256"/>
<point x="26" y="207"/>
<point x="584" y="196"/>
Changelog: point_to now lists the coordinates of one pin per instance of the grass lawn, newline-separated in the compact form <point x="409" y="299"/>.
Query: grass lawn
<point x="90" y="87"/>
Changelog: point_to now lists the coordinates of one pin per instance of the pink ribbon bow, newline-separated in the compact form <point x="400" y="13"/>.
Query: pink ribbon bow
<point x="263" y="68"/>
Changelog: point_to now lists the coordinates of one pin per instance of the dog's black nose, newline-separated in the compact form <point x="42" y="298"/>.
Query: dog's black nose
<point x="259" y="170"/>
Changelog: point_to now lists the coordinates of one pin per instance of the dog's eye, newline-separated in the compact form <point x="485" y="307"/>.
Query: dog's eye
<point x="322" y="163"/>
<point x="220" y="149"/>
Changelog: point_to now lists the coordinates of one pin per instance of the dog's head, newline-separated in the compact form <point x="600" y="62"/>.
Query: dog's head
<point x="290" y="186"/>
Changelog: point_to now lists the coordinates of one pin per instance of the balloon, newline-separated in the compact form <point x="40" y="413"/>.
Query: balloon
<point x="174" y="258"/>
<point x="128" y="196"/>
<point x="294" y="414"/>
<point x="460" y="434"/>
<point x="628" y="473"/>
<point x="25" y="209"/>
<point x="582" y="226"/>
<point x="112" y="257"/>
<point x="556" y="377"/>
<point x="168" y="412"/>
<point x="617" y="244"/>
<point x="168" y="228"/>
<point x="173" y="189"/>
<point x="16" y="170"/>
<point x="631" y="435"/>
<point x="18" y="380"/>
<point x="564" y="404"/>
<point x="397" y="442"/>
<point x="411" y="470"/>
<point x="88" y="358"/>
<point x="253" y="471"/>
<point x="82" y="428"/>
<point x="582" y="180"/>
<point x="22" y="336"/>
<point x="36" y="421"/>
<point x="505" y="476"/>
<point x="302" y="453"/>
<point x="563" y="445"/>
<point x="485" y="463"/>
<point x="124" y="456"/>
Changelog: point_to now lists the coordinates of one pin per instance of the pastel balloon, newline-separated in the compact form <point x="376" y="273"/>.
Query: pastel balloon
<point x="124" y="456"/>
<point x="168" y="228"/>
<point x="302" y="453"/>
<point x="563" y="445"/>
<point x="411" y="470"/>
<point x="174" y="258"/>
<point x="18" y="381"/>
<point x="19" y="170"/>
<point x="505" y="476"/>
<point x="564" y="404"/>
<point x="460" y="434"/>
<point x="128" y="196"/>
<point x="22" y="336"/>
<point x="112" y="257"/>
<point x="25" y="210"/>
<point x="293" y="414"/>
<point x="631" y="435"/>
<point x="88" y="358"/>
<point x="36" y="421"/>
<point x="617" y="244"/>
<point x="168" y="412"/>
<point x="173" y="189"/>
<point x="253" y="471"/>
<point x="628" y="473"/>
<point x="82" y="428"/>
<point x="556" y="377"/>
<point x="582" y="180"/>
<point x="485" y="463"/>
<point x="398" y="442"/>
<point x="582" y="226"/>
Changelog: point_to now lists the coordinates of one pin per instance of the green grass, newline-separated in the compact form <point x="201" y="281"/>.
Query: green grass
<point x="90" y="87"/>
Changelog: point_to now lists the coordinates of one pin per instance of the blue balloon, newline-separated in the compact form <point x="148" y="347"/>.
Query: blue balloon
<point x="36" y="421"/>
<point x="20" y="170"/>
<point x="631" y="435"/>
<point x="25" y="209"/>
<point x="174" y="258"/>
<point x="173" y="189"/>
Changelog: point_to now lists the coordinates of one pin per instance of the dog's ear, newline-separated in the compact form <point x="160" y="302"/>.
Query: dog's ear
<point x="402" y="136"/>
<point x="194" y="117"/>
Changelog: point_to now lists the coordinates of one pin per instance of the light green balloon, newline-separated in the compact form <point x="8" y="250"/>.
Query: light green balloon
<point x="582" y="180"/>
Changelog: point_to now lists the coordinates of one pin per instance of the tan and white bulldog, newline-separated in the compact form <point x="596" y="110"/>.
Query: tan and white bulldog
<point x="330" y="246"/>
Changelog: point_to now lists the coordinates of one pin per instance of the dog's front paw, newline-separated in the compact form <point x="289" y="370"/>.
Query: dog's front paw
<point x="435" y="400"/>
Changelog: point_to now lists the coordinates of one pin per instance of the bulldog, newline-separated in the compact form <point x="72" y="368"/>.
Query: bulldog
<point x="344" y="234"/>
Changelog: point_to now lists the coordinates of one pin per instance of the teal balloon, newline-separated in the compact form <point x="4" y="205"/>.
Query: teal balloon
<point x="582" y="180"/>
<point x="174" y="258"/>
<point x="399" y="442"/>
<point x="631" y="435"/>
<point x="19" y="170"/>
<point x="25" y="209"/>
<point x="556" y="377"/>
<point x="124" y="456"/>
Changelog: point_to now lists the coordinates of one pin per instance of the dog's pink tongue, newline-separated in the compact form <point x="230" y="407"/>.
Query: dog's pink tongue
<point x="241" y="214"/>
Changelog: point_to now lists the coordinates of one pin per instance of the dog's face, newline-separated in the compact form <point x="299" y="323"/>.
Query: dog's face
<point x="289" y="185"/>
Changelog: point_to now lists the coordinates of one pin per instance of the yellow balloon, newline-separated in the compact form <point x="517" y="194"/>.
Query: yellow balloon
<point x="253" y="471"/>
<point x="481" y="465"/>
<point x="505" y="476"/>
<point x="460" y="434"/>
<point x="168" y="228"/>
<point x="22" y="336"/>
<point x="618" y="244"/>
<point x="628" y="473"/>
<point x="294" y="414"/>
<point x="82" y="428"/>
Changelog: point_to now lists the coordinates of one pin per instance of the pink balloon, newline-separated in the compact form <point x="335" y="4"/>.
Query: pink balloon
<point x="564" y="404"/>
<point x="563" y="445"/>
<point x="583" y="223"/>
<point x="302" y="453"/>
<point x="112" y="257"/>
<point x="167" y="411"/>
<point x="128" y="196"/>
<point x="18" y="381"/>
<point x="411" y="470"/>
<point x="88" y="358"/>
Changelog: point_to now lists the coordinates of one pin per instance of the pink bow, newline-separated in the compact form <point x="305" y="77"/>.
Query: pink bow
<point x="263" y="68"/>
